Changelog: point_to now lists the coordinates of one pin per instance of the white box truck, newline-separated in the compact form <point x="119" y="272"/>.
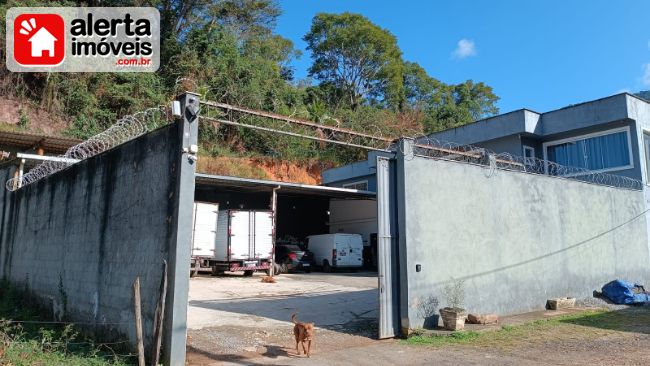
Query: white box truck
<point x="231" y="240"/>
<point x="338" y="250"/>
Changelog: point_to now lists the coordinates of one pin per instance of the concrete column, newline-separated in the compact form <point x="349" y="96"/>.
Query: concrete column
<point x="175" y="325"/>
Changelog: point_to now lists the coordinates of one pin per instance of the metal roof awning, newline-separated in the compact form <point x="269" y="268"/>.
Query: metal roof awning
<point x="24" y="140"/>
<point x="259" y="185"/>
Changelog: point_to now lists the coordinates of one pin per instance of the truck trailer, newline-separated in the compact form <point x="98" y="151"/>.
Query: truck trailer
<point x="231" y="240"/>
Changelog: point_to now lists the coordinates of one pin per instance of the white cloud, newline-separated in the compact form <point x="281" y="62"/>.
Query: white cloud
<point x="645" y="79"/>
<point x="624" y="90"/>
<point x="466" y="48"/>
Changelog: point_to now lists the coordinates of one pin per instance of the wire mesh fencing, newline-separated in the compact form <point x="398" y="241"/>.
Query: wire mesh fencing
<point x="125" y="129"/>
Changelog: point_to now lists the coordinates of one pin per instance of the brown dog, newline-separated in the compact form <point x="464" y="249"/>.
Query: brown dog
<point x="304" y="333"/>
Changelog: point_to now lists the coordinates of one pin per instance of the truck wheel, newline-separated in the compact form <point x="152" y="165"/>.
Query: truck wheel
<point x="216" y="271"/>
<point x="326" y="267"/>
<point x="248" y="273"/>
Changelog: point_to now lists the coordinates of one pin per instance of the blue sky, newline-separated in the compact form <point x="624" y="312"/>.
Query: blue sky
<point x="540" y="55"/>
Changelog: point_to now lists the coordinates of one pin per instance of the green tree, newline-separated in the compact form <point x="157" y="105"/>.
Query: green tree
<point x="356" y="57"/>
<point x="420" y="89"/>
<point x="461" y="104"/>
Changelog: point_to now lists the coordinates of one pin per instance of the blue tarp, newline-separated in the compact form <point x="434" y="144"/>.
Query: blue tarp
<point x="622" y="292"/>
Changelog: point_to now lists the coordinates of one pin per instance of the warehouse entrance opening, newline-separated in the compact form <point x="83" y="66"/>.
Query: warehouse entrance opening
<point x="320" y="247"/>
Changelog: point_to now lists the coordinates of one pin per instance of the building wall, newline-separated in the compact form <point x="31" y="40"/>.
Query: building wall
<point x="509" y="144"/>
<point x="640" y="111"/>
<point x="354" y="217"/>
<point x="515" y="239"/>
<point x="355" y="172"/>
<point x="585" y="115"/>
<point x="79" y="238"/>
<point x="506" y="124"/>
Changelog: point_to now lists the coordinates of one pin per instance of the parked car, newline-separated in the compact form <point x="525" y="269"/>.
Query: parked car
<point x="338" y="250"/>
<point x="291" y="256"/>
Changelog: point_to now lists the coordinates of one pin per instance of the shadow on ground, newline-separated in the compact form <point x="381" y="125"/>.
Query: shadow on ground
<point x="200" y="356"/>
<point x="353" y="312"/>
<point x="634" y="319"/>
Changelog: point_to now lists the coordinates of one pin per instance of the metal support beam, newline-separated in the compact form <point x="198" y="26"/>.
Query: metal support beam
<point x="274" y="209"/>
<point x="175" y="326"/>
<point x="21" y="171"/>
<point x="56" y="159"/>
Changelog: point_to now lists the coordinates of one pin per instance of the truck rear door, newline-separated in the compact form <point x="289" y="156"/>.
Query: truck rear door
<point x="239" y="235"/>
<point x="263" y="234"/>
<point x="205" y="229"/>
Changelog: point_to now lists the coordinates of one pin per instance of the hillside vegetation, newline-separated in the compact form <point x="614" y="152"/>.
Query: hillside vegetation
<point x="229" y="51"/>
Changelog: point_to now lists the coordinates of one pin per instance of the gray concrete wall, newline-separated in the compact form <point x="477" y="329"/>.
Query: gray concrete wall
<point x="584" y="115"/>
<point x="511" y="123"/>
<point x="516" y="239"/>
<point x="80" y="237"/>
<point x="508" y="144"/>
<point x="639" y="110"/>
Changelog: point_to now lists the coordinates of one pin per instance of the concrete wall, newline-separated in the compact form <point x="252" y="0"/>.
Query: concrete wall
<point x="516" y="239"/>
<point x="511" y="123"/>
<point x="584" y="115"/>
<point x="639" y="110"/>
<point x="79" y="238"/>
<point x="353" y="216"/>
<point x="355" y="172"/>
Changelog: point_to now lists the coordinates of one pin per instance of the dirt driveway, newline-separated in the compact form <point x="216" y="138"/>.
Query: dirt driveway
<point x="235" y="318"/>
<point x="241" y="321"/>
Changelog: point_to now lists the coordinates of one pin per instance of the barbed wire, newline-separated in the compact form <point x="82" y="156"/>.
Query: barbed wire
<point x="434" y="148"/>
<point x="375" y="138"/>
<point x="372" y="138"/>
<point x="125" y="129"/>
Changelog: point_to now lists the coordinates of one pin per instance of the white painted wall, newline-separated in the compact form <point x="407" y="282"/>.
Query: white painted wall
<point x="354" y="217"/>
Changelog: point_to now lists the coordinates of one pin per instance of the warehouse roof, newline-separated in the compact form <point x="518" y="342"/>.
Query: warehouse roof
<point x="259" y="185"/>
<point x="25" y="140"/>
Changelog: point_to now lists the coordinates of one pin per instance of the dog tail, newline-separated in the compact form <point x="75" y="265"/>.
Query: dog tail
<point x="293" y="318"/>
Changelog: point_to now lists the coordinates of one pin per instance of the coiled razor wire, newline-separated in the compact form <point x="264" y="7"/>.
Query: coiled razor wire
<point x="375" y="138"/>
<point x="125" y="129"/>
<point x="434" y="148"/>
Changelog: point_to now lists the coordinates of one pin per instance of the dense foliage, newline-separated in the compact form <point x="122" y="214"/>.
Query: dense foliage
<point x="227" y="50"/>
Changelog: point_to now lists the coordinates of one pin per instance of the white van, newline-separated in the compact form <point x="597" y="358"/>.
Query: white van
<point x="336" y="250"/>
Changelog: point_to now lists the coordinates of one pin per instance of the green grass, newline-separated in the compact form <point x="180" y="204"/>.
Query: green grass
<point x="34" y="343"/>
<point x="588" y="325"/>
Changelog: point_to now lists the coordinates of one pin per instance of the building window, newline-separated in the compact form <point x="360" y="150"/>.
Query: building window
<point x="603" y="151"/>
<point x="361" y="185"/>
<point x="646" y="149"/>
<point x="529" y="154"/>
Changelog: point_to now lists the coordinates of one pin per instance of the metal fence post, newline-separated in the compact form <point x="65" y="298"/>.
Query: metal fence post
<point x="175" y="324"/>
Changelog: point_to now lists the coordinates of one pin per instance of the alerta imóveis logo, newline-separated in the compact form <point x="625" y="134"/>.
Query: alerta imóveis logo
<point x="39" y="39"/>
<point x="95" y="39"/>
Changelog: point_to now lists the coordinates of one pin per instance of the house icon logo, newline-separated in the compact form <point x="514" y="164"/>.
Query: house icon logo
<point x="39" y="39"/>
